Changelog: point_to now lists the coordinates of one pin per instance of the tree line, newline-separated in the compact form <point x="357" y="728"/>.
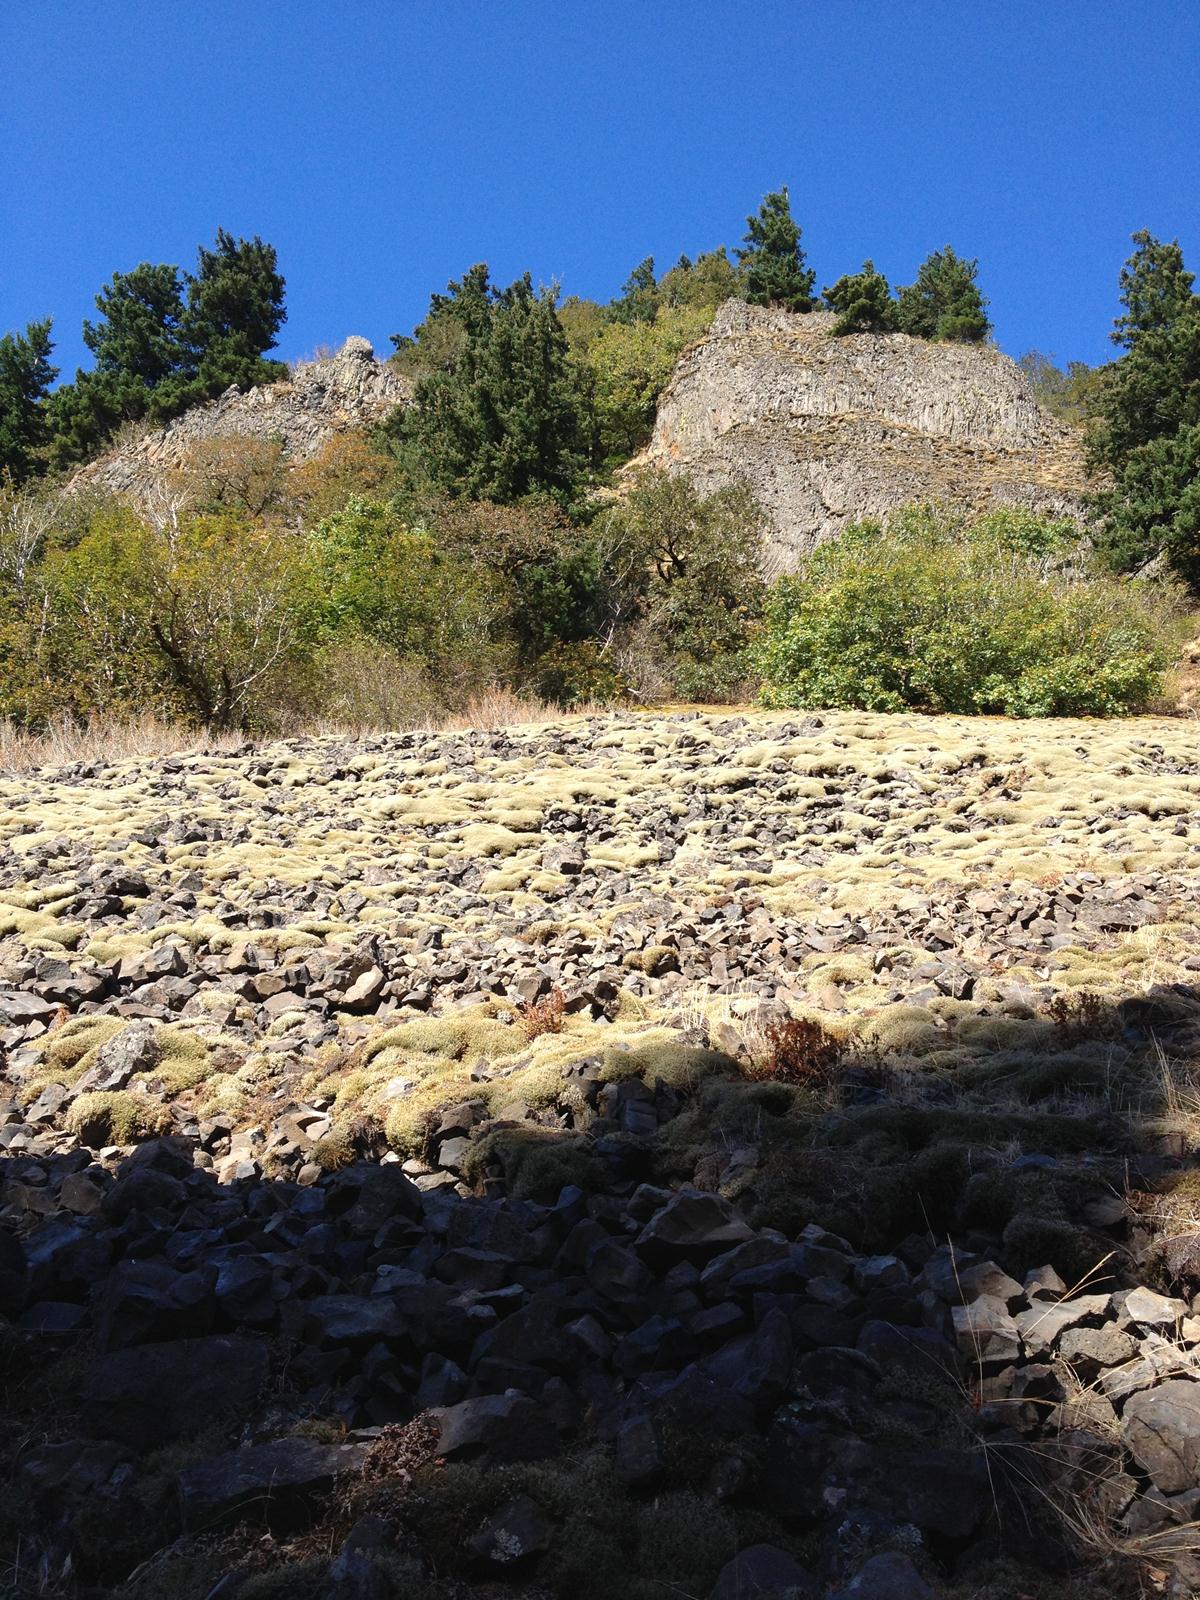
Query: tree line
<point x="166" y="339"/>
<point x="471" y="539"/>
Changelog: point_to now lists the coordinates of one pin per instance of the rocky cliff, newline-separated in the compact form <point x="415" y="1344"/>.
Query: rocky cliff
<point x="828" y="429"/>
<point x="320" y="399"/>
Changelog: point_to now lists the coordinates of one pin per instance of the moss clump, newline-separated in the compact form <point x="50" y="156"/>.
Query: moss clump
<point x="334" y="1149"/>
<point x="113" y="1117"/>
<point x="470" y="1036"/>
<point x="678" y="1066"/>
<point x="1033" y="1238"/>
<point x="184" y="1060"/>
<point x="903" y="1031"/>
<point x="65" y="1050"/>
<point x="652" y="960"/>
<point x="538" y="1163"/>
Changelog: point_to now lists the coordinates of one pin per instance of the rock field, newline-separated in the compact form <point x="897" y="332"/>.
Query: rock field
<point x="721" y="1154"/>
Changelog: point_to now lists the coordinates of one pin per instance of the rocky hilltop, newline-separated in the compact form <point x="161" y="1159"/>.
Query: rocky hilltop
<point x="828" y="429"/>
<point x="303" y="412"/>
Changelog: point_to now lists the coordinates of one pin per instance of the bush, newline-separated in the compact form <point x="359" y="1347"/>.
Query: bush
<point x="1007" y="615"/>
<point x="684" y="590"/>
<point x="630" y="364"/>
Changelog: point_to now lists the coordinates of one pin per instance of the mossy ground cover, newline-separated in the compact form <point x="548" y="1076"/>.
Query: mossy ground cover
<point x="972" y="911"/>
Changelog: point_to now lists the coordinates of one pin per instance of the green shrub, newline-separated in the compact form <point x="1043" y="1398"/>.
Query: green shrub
<point x="1004" y="615"/>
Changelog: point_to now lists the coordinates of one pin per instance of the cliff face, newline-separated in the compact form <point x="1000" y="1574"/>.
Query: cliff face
<point x="825" y="429"/>
<point x="320" y="399"/>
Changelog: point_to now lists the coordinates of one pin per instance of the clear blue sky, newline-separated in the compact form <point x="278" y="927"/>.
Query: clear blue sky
<point x="384" y="145"/>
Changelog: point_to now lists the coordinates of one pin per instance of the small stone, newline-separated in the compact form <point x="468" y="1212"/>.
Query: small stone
<point x="985" y="1332"/>
<point x="518" y="1532"/>
<point x="1099" y="1347"/>
<point x="1043" y="1283"/>
<point x="889" y="1576"/>
<point x="1153" y="1310"/>
<point x="764" y="1572"/>
<point x="1162" y="1432"/>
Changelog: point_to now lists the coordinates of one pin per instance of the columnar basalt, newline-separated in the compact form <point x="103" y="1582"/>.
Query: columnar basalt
<point x="826" y="429"/>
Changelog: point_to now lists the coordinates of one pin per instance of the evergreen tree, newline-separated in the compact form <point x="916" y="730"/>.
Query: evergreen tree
<point x="1148" y="430"/>
<point x="1156" y="288"/>
<point x="168" y="340"/>
<point x="512" y="415"/>
<point x="140" y="336"/>
<point x="864" y="302"/>
<point x="234" y="314"/>
<point x="639" y="295"/>
<point x="773" y="262"/>
<point x="945" y="302"/>
<point x="25" y="379"/>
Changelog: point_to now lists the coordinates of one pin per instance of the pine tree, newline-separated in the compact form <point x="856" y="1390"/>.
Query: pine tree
<point x="1156" y="288"/>
<point x="234" y="313"/>
<point x="945" y="301"/>
<point x="864" y="302"/>
<point x="25" y="379"/>
<point x="638" y="301"/>
<point x="1148" y="430"/>
<point x="169" y="340"/>
<point x="774" y="263"/>
<point x="140" y="334"/>
<point x="511" y="416"/>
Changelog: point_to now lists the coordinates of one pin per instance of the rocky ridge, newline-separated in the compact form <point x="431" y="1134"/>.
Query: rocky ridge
<point x="401" y="1194"/>
<point x="825" y="429"/>
<point x="302" y="413"/>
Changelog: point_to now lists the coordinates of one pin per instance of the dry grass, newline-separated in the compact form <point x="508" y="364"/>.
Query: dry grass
<point x="112" y="739"/>
<point x="66" y="741"/>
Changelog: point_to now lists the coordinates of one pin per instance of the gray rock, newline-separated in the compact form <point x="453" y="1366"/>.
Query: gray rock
<point x="517" y="1533"/>
<point x="278" y="1485"/>
<point x="1041" y="1326"/>
<point x="985" y="1332"/>
<point x="135" y="1049"/>
<point x="1106" y="1346"/>
<point x="890" y="1576"/>
<point x="509" y="1427"/>
<point x="764" y="1572"/>
<point x="155" y="1393"/>
<point x="1152" y="1310"/>
<point x="692" y="1226"/>
<point x="1161" y="1430"/>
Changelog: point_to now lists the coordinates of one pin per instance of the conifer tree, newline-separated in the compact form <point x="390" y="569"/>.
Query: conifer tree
<point x="511" y="416"/>
<point x="234" y="314"/>
<point x="945" y="301"/>
<point x="639" y="295"/>
<point x="1148" y="431"/>
<point x="864" y="302"/>
<point x="773" y="262"/>
<point x="25" y="378"/>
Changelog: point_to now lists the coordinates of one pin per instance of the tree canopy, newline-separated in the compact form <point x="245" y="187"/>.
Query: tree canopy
<point x="25" y="378"/>
<point x="773" y="264"/>
<point x="167" y="340"/>
<point x="945" y="301"/>
<point x="863" y="301"/>
<point x="510" y="413"/>
<point x="1148" y="431"/>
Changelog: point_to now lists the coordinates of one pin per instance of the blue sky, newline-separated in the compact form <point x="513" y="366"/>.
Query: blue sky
<point x="384" y="145"/>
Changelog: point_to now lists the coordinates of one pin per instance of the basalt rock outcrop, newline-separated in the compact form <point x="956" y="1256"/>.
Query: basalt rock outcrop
<point x="302" y="413"/>
<point x="825" y="429"/>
